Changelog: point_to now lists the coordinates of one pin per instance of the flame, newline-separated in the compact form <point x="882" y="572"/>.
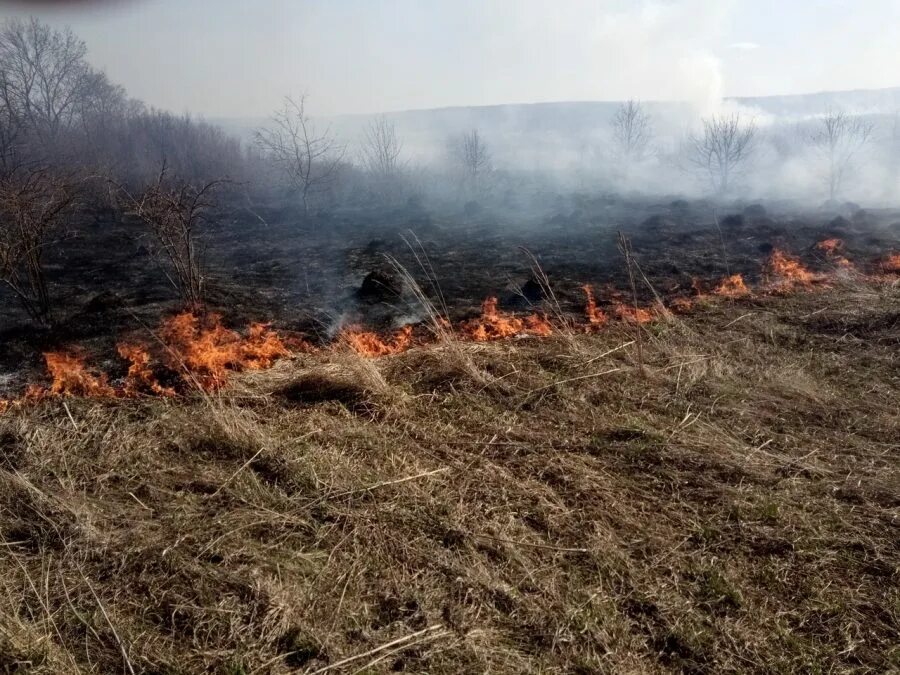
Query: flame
<point x="71" y="378"/>
<point x="732" y="287"/>
<point x="891" y="263"/>
<point x="832" y="248"/>
<point x="370" y="344"/>
<point x="140" y="378"/>
<point x="682" y="304"/>
<point x="262" y="347"/>
<point x="789" y="269"/>
<point x="596" y="317"/>
<point x="632" y="314"/>
<point x="496" y="325"/>
<point x="207" y="350"/>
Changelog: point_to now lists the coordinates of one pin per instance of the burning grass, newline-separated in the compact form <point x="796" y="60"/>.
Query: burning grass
<point x="204" y="353"/>
<point x="730" y="506"/>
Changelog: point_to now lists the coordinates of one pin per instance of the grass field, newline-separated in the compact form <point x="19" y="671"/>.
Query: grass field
<point x="729" y="502"/>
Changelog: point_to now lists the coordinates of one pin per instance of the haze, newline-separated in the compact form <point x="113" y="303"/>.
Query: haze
<point x="237" y="59"/>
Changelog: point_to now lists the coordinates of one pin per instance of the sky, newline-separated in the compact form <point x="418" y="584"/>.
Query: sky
<point x="238" y="58"/>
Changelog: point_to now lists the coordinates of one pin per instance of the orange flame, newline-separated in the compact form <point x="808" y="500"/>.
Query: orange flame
<point x="208" y="350"/>
<point x="71" y="378"/>
<point x="891" y="263"/>
<point x="140" y="378"/>
<point x="262" y="347"/>
<point x="832" y="248"/>
<point x="632" y="314"/>
<point x="596" y="317"/>
<point x="370" y="344"/>
<point x="789" y="270"/>
<point x="732" y="287"/>
<point x="496" y="325"/>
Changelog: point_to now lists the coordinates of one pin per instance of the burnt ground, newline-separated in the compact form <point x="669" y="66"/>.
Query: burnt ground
<point x="313" y="274"/>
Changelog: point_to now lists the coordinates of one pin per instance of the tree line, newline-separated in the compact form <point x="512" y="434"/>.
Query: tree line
<point x="72" y="142"/>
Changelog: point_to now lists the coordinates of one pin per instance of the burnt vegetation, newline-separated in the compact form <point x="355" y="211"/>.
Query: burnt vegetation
<point x="312" y="404"/>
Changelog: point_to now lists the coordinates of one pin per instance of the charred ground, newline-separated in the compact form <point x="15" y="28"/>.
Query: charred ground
<point x="313" y="274"/>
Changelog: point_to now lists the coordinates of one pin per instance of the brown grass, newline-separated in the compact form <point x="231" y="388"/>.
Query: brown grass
<point x="735" y="510"/>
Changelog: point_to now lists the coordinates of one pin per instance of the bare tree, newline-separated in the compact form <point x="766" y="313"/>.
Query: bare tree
<point x="839" y="138"/>
<point x="632" y="131"/>
<point x="722" y="150"/>
<point x="308" y="159"/>
<point x="473" y="157"/>
<point x="174" y="213"/>
<point x="380" y="156"/>
<point x="35" y="205"/>
<point x="44" y="78"/>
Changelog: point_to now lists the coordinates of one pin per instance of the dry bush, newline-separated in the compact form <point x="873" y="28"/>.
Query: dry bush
<point x="35" y="207"/>
<point x="175" y="213"/>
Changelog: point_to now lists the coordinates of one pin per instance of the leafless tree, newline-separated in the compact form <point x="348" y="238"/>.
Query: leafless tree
<point x="310" y="160"/>
<point x="839" y="138"/>
<point x="722" y="149"/>
<point x="632" y="131"/>
<point x="472" y="155"/>
<point x="175" y="212"/>
<point x="380" y="156"/>
<point x="44" y="78"/>
<point x="35" y="206"/>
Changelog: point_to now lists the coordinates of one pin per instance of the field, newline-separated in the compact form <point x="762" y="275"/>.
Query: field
<point x="712" y="490"/>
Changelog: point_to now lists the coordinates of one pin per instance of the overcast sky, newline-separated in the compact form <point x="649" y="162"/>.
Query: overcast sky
<point x="239" y="57"/>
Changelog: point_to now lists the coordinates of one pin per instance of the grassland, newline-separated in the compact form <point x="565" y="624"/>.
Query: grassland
<point x="729" y="503"/>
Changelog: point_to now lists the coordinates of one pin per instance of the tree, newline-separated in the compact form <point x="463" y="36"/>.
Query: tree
<point x="34" y="206"/>
<point x="44" y="79"/>
<point x="839" y="138"/>
<point x="174" y="213"/>
<point x="309" y="160"/>
<point x="722" y="150"/>
<point x="473" y="157"/>
<point x="380" y="156"/>
<point x="632" y="131"/>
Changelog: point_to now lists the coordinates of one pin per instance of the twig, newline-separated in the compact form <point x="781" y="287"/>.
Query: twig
<point x="626" y="252"/>
<point x="110" y="624"/>
<point x="743" y="316"/>
<point x="234" y="475"/>
<point x="390" y="482"/>
<point x="371" y="652"/>
<point x="69" y="413"/>
<point x="525" y="543"/>
<point x="607" y="353"/>
<point x="571" y="379"/>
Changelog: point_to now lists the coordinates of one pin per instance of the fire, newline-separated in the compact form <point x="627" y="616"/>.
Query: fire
<point x="833" y="250"/>
<point x="206" y="349"/>
<point x="732" y="287"/>
<point x="682" y="305"/>
<point x="370" y="344"/>
<point x="596" y="317"/>
<point x="892" y="263"/>
<point x="789" y="269"/>
<point x="140" y="378"/>
<point x="830" y="246"/>
<point x="262" y="347"/>
<point x="496" y="325"/>
<point x="633" y="314"/>
<point x="71" y="378"/>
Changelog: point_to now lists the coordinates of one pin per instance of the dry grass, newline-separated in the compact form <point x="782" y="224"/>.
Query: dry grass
<point x="735" y="510"/>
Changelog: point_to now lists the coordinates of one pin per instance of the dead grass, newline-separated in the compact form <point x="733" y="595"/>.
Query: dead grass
<point x="734" y="510"/>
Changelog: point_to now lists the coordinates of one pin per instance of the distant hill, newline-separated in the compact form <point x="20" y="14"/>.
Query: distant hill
<point x="520" y="130"/>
